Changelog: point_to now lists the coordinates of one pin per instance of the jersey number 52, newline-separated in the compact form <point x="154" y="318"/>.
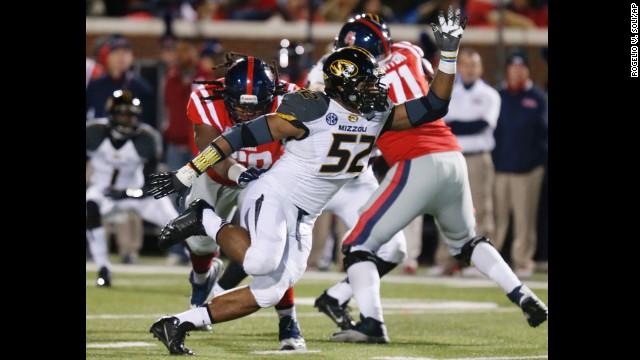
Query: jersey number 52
<point x="344" y="155"/>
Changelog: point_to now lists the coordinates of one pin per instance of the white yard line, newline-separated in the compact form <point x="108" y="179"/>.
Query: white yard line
<point x="283" y="352"/>
<point x="119" y="345"/>
<point x="475" y="358"/>
<point x="391" y="306"/>
<point x="457" y="282"/>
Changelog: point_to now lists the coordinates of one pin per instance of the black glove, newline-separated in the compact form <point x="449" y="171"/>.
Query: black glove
<point x="449" y="33"/>
<point x="249" y="175"/>
<point x="163" y="184"/>
<point x="115" y="194"/>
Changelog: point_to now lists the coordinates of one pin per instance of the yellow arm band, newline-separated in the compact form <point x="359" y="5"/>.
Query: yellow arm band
<point x="207" y="157"/>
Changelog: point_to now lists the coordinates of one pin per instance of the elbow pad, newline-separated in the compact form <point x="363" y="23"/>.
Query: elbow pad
<point x="250" y="133"/>
<point x="426" y="109"/>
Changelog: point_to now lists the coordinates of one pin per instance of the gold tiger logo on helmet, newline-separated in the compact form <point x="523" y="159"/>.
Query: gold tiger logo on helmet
<point x="344" y="68"/>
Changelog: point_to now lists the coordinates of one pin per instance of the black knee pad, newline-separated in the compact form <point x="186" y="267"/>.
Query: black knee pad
<point x="358" y="256"/>
<point x="467" y="249"/>
<point x="384" y="267"/>
<point x="93" y="215"/>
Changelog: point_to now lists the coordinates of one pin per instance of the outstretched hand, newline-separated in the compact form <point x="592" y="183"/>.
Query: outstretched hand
<point x="166" y="183"/>
<point x="450" y="31"/>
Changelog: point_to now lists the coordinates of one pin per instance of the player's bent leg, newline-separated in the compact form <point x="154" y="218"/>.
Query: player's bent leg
<point x="333" y="301"/>
<point x="172" y="330"/>
<point x="364" y="279"/>
<point x="98" y="244"/>
<point x="266" y="220"/>
<point x="189" y="223"/>
<point x="480" y="252"/>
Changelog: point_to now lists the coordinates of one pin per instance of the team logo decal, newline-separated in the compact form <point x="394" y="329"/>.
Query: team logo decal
<point x="353" y="118"/>
<point x="332" y="118"/>
<point x="344" y="68"/>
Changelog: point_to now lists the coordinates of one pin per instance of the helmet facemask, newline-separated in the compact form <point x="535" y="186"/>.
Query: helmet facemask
<point x="124" y="115"/>
<point x="247" y="107"/>
<point x="365" y="93"/>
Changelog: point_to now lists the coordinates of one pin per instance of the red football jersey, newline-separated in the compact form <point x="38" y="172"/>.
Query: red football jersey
<point x="214" y="113"/>
<point x="406" y="80"/>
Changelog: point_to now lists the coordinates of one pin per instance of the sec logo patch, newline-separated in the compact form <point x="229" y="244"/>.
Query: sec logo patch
<point x="353" y="118"/>
<point x="332" y="118"/>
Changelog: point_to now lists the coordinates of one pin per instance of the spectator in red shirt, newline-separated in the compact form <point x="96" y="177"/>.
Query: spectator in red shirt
<point x="178" y="131"/>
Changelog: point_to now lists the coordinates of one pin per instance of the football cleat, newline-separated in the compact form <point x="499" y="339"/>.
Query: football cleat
<point x="202" y="294"/>
<point x="189" y="223"/>
<point x="171" y="333"/>
<point x="104" y="277"/>
<point x="368" y="330"/>
<point x="533" y="308"/>
<point x="339" y="314"/>
<point x="290" y="335"/>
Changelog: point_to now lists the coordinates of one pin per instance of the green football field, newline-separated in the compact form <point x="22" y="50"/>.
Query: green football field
<point x="426" y="317"/>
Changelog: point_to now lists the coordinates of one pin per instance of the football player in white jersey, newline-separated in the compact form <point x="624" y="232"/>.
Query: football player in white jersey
<point x="123" y="152"/>
<point x="407" y="73"/>
<point x="329" y="137"/>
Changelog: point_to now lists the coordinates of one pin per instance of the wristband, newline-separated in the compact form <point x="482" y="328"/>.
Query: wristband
<point x="448" y="61"/>
<point x="235" y="171"/>
<point x="186" y="175"/>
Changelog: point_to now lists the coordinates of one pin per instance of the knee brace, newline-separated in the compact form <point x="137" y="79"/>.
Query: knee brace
<point x="384" y="267"/>
<point x="358" y="256"/>
<point x="467" y="249"/>
<point x="93" y="215"/>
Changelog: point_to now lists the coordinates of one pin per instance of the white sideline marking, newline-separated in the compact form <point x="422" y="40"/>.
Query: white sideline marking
<point x="141" y="282"/>
<point x="119" y="345"/>
<point x="479" y="358"/>
<point x="122" y="316"/>
<point x="456" y="282"/>
<point x="283" y="352"/>
<point x="391" y="306"/>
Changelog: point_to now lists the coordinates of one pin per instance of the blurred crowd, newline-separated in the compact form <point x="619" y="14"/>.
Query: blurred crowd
<point x="508" y="179"/>
<point x="517" y="13"/>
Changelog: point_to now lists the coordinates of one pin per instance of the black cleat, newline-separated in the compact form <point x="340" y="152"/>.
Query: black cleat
<point x="171" y="333"/>
<point x="368" y="330"/>
<point x="187" y="224"/>
<point x="534" y="310"/>
<point x="104" y="277"/>
<point x="339" y="314"/>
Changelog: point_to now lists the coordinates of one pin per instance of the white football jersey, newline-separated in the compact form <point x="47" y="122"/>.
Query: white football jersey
<point x="335" y="148"/>
<point x="120" y="168"/>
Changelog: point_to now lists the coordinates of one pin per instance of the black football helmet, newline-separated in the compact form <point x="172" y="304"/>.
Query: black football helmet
<point x="249" y="88"/>
<point x="353" y="75"/>
<point x="123" y="110"/>
<point x="363" y="31"/>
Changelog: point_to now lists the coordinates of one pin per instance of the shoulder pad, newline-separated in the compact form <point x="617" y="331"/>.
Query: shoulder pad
<point x="97" y="131"/>
<point x="148" y="142"/>
<point x="303" y="105"/>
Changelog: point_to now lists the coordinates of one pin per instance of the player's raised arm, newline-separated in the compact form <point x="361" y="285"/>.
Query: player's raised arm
<point x="262" y="130"/>
<point x="435" y="104"/>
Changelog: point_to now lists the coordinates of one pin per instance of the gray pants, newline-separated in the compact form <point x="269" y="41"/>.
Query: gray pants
<point x="435" y="184"/>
